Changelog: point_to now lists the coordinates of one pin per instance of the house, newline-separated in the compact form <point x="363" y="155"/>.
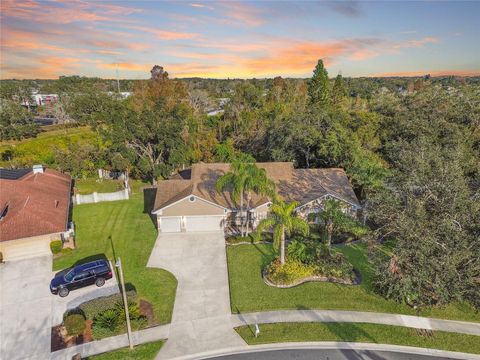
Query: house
<point x="34" y="210"/>
<point x="188" y="201"/>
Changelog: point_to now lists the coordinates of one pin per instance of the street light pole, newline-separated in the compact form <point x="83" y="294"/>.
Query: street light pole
<point x="118" y="264"/>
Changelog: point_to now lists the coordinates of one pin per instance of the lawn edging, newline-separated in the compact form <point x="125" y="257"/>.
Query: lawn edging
<point x="314" y="278"/>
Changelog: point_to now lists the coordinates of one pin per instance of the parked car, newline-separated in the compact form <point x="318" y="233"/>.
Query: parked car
<point x="94" y="272"/>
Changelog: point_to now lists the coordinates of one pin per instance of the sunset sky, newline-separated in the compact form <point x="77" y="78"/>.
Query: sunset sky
<point x="46" y="39"/>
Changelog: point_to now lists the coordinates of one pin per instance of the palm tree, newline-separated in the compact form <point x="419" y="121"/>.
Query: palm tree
<point x="284" y="221"/>
<point x="244" y="178"/>
<point x="333" y="218"/>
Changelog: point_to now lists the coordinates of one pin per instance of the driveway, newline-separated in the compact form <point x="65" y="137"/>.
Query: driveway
<point x="201" y="318"/>
<point x="25" y="308"/>
<point x="78" y="296"/>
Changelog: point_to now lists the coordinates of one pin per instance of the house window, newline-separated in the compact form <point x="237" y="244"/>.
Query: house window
<point x="191" y="198"/>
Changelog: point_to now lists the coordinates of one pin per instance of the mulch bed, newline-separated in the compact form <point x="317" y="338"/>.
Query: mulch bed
<point x="146" y="309"/>
<point x="356" y="281"/>
<point x="60" y="340"/>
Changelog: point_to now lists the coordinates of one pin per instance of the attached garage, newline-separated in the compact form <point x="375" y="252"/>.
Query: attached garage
<point x="26" y="248"/>
<point x="170" y="224"/>
<point x="204" y="223"/>
<point x="191" y="214"/>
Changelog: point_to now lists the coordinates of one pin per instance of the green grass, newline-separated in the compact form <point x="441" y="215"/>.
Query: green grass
<point x="41" y="148"/>
<point x="249" y="293"/>
<point x="123" y="227"/>
<point x="88" y="186"/>
<point x="359" y="332"/>
<point x="146" y="351"/>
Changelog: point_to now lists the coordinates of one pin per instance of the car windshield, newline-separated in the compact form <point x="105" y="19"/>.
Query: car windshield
<point x="69" y="275"/>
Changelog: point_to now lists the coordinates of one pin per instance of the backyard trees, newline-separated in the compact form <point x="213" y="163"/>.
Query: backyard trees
<point x="14" y="122"/>
<point x="318" y="85"/>
<point x="429" y="208"/>
<point x="284" y="221"/>
<point x="153" y="125"/>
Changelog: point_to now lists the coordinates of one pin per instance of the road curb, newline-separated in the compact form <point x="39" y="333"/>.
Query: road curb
<point x="434" y="353"/>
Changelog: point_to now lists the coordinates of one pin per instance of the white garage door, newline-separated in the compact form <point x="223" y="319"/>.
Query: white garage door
<point x="170" y="224"/>
<point x="203" y="223"/>
<point x="27" y="250"/>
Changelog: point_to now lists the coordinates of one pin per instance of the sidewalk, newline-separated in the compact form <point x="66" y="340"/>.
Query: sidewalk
<point x="112" y="343"/>
<point x="355" y="317"/>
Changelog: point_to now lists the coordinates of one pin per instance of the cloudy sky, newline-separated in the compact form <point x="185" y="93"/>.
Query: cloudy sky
<point x="46" y="39"/>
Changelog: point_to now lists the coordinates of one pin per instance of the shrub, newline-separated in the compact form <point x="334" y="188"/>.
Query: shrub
<point x="75" y="324"/>
<point x="108" y="319"/>
<point x="139" y="323"/>
<point x="133" y="309"/>
<point x="56" y="246"/>
<point x="96" y="306"/>
<point x="291" y="271"/>
<point x="99" y="332"/>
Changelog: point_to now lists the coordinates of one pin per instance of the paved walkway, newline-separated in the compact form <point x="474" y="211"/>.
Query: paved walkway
<point x="355" y="317"/>
<point x="201" y="318"/>
<point x="25" y="308"/>
<point x="112" y="343"/>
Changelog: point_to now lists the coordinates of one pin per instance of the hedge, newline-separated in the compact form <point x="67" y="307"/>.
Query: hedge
<point x="96" y="306"/>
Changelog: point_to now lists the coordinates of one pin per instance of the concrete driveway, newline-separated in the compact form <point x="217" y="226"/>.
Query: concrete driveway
<point x="25" y="308"/>
<point x="201" y="316"/>
<point x="78" y="296"/>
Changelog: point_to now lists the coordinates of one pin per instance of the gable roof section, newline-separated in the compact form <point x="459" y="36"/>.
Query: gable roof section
<point x="302" y="185"/>
<point x="38" y="204"/>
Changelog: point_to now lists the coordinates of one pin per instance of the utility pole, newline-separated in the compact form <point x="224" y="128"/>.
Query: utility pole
<point x="118" y="264"/>
<point x="118" y="81"/>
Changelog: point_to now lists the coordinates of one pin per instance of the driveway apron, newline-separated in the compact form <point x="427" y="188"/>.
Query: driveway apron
<point x="25" y="309"/>
<point x="201" y="318"/>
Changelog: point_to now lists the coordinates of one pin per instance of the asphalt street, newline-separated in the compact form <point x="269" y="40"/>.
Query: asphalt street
<point x="322" y="354"/>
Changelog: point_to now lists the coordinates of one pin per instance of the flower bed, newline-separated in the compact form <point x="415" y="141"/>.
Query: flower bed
<point x="100" y="318"/>
<point x="330" y="268"/>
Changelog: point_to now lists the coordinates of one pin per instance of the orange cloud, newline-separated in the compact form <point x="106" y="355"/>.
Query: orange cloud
<point x="42" y="67"/>
<point x="166" y="34"/>
<point x="242" y="13"/>
<point x="416" y="43"/>
<point x="126" y="66"/>
<point x="65" y="12"/>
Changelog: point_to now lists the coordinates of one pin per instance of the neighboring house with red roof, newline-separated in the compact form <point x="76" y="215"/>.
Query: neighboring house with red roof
<point x="188" y="201"/>
<point x="34" y="210"/>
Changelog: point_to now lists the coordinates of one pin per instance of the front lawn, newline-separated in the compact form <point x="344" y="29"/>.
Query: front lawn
<point x="146" y="351"/>
<point x="124" y="229"/>
<point x="359" y="332"/>
<point x="248" y="292"/>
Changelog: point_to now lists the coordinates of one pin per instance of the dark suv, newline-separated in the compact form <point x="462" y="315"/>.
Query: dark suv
<point x="94" y="272"/>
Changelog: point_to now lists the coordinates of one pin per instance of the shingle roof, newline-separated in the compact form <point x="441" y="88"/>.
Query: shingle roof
<point x="38" y="204"/>
<point x="302" y="185"/>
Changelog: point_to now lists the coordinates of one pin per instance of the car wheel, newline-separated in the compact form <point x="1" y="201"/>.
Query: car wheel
<point x="63" y="292"/>
<point x="100" y="282"/>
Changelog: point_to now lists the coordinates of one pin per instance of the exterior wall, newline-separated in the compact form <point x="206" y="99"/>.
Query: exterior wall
<point x="260" y="213"/>
<point x="197" y="207"/>
<point x="27" y="247"/>
<point x="317" y="205"/>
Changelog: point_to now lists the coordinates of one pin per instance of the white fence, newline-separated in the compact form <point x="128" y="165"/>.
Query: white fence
<point x="99" y="197"/>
